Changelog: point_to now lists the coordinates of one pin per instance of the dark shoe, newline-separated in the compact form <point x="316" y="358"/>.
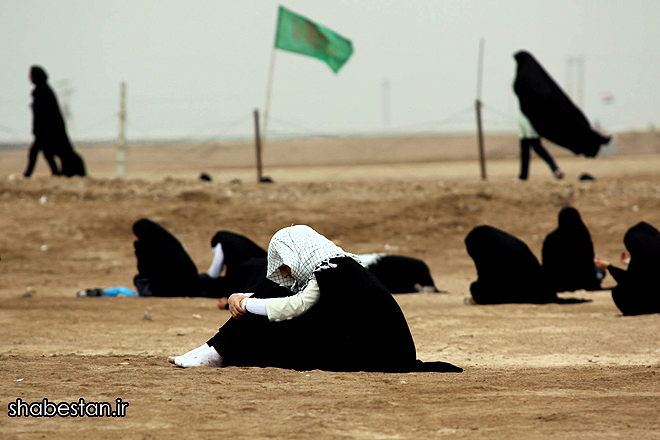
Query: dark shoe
<point x="90" y="292"/>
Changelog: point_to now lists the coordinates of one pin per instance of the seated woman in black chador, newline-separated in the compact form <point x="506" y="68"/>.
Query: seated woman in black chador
<point x="507" y="271"/>
<point x="568" y="255"/>
<point x="164" y="267"/>
<point x="243" y="261"/>
<point x="327" y="312"/>
<point x="638" y="290"/>
<point x="399" y="274"/>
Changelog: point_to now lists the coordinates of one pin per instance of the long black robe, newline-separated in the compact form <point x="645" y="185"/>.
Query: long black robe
<point x="638" y="288"/>
<point x="164" y="267"/>
<point x="507" y="270"/>
<point x="568" y="255"/>
<point x="551" y="112"/>
<point x="49" y="131"/>
<point x="401" y="274"/>
<point x="332" y="335"/>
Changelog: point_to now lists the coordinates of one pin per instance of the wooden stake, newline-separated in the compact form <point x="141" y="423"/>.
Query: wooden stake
<point x="257" y="144"/>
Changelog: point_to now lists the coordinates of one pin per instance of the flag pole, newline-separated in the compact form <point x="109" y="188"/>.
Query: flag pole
<point x="269" y="89"/>
<point x="477" y="105"/>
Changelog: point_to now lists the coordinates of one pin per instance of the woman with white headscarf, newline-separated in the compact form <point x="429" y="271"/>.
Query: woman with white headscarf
<point x="327" y="312"/>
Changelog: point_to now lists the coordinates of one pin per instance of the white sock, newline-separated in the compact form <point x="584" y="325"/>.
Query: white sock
<point x="189" y="353"/>
<point x="202" y="358"/>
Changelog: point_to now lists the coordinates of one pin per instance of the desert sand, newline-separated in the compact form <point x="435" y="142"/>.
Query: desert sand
<point x="530" y="371"/>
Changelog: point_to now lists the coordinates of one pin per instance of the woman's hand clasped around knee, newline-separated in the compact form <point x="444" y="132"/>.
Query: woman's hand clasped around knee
<point x="236" y="305"/>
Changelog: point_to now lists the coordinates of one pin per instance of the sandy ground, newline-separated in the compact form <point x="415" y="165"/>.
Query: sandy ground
<point x="535" y="372"/>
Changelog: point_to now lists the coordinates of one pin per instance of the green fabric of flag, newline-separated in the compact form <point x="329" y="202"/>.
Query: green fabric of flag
<point x="298" y="34"/>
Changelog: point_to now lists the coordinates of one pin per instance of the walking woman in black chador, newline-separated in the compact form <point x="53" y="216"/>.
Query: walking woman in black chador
<point x="568" y="255"/>
<point x="49" y="131"/>
<point x="326" y="312"/>
<point x="638" y="290"/>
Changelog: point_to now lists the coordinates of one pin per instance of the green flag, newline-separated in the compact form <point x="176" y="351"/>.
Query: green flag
<point x="298" y="34"/>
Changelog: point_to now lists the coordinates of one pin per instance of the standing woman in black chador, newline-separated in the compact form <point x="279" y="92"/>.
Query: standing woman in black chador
<point x="638" y="288"/>
<point x="568" y="255"/>
<point x="551" y="112"/>
<point x="49" y="130"/>
<point x="327" y="312"/>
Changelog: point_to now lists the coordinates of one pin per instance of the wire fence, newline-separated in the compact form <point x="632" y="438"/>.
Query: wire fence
<point x="242" y="128"/>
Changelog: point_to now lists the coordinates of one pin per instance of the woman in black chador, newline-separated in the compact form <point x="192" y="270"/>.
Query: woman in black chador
<point x="638" y="290"/>
<point x="243" y="261"/>
<point x="507" y="271"/>
<point x="326" y="312"/>
<point x="49" y="130"/>
<point x="550" y="111"/>
<point x="568" y="255"/>
<point x="164" y="267"/>
<point x="399" y="274"/>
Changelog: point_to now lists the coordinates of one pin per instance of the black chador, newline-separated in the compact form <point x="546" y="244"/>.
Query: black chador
<point x="49" y="131"/>
<point x="638" y="290"/>
<point x="164" y="267"/>
<point x="244" y="262"/>
<point x="551" y="112"/>
<point x="507" y="270"/>
<point x="568" y="255"/>
<point x="400" y="274"/>
<point x="331" y="335"/>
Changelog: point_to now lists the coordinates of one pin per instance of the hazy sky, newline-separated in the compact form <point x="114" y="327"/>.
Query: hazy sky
<point x="197" y="68"/>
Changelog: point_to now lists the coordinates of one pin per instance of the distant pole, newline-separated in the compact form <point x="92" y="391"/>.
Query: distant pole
<point x="386" y="102"/>
<point x="257" y="144"/>
<point x="121" y="147"/>
<point x="477" y="105"/>
<point x="569" y="76"/>
<point x="580" y="81"/>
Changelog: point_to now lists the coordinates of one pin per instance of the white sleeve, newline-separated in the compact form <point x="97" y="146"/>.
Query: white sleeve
<point x="289" y="307"/>
<point x="218" y="260"/>
<point x="255" y="306"/>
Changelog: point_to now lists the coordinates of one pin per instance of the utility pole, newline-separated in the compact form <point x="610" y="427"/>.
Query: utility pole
<point x="385" y="88"/>
<point x="477" y="106"/>
<point x="122" y="147"/>
<point x="580" y="81"/>
<point x="65" y="91"/>
<point x="575" y="73"/>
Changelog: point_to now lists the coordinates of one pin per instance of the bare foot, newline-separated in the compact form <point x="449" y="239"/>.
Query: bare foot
<point x="222" y="303"/>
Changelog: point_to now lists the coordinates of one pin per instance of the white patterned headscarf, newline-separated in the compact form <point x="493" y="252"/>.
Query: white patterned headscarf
<point x="305" y="251"/>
